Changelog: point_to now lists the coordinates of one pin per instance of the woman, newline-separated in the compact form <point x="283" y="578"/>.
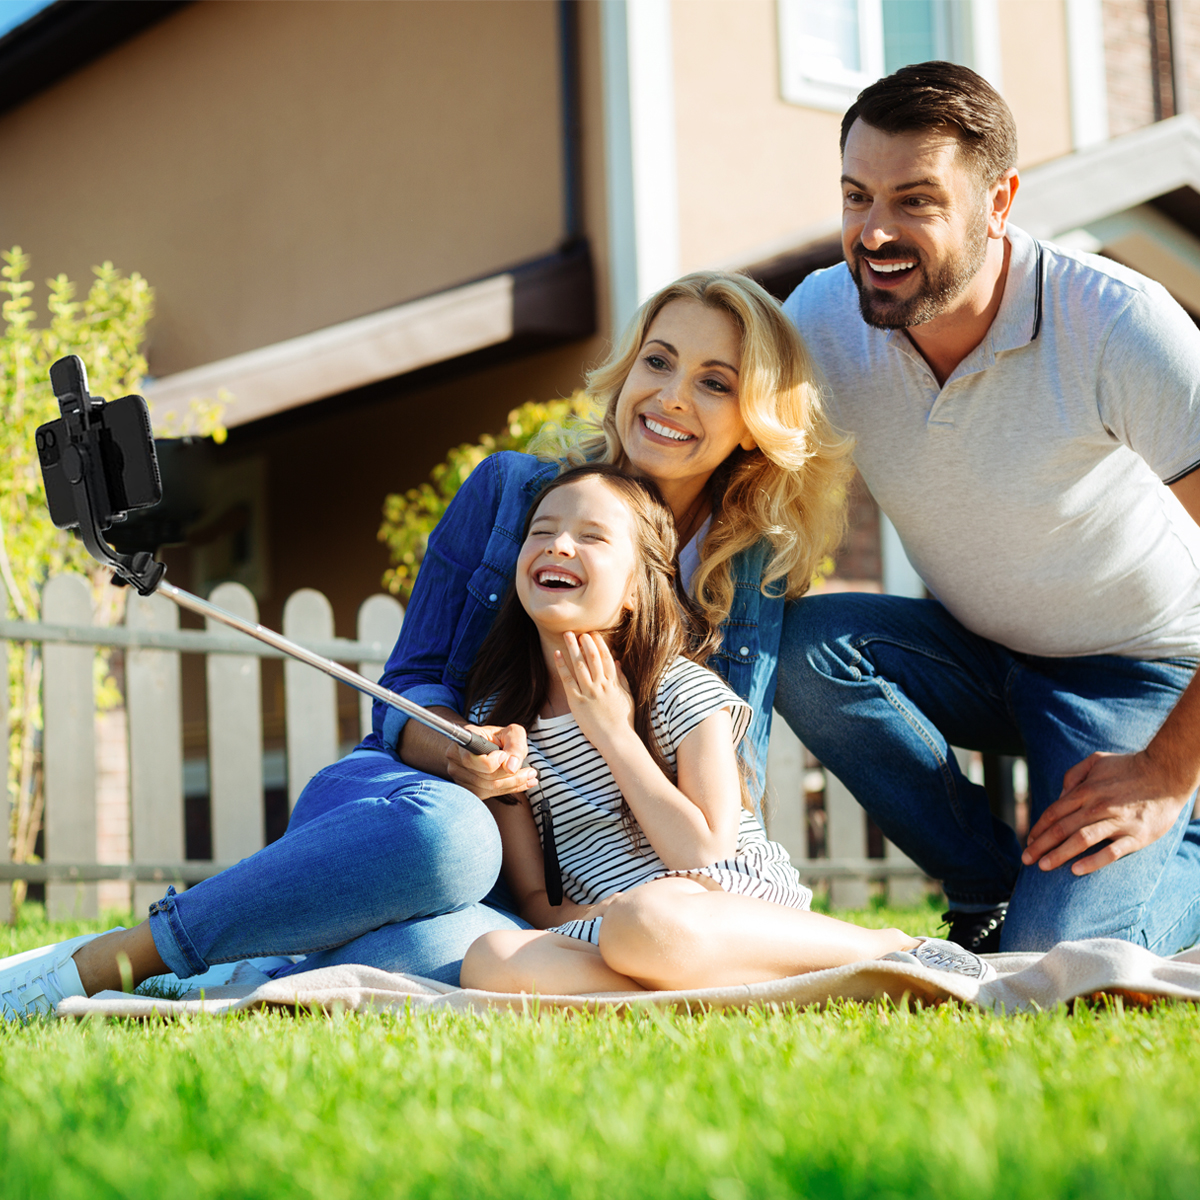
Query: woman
<point x="389" y="856"/>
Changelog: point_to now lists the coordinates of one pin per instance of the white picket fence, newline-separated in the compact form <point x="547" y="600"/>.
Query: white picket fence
<point x="153" y="642"/>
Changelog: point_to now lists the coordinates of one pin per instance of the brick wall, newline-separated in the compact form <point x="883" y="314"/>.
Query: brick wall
<point x="1127" y="63"/>
<point x="1188" y="28"/>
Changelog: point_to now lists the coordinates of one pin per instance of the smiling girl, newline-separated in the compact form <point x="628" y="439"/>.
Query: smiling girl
<point x="634" y="853"/>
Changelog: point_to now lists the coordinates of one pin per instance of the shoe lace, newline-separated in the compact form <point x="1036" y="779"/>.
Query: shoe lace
<point x="17" y="1002"/>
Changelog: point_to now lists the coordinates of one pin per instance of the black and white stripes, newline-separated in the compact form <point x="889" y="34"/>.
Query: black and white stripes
<point x="596" y="854"/>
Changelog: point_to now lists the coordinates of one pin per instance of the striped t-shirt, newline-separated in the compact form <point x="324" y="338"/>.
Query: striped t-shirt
<point x="595" y="853"/>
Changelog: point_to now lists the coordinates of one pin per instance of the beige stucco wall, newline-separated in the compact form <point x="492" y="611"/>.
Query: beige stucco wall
<point x="273" y="168"/>
<point x="752" y="169"/>
<point x="1036" y="78"/>
<point x="755" y="170"/>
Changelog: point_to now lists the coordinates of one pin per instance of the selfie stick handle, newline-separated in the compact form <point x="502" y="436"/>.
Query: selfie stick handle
<point x="472" y="742"/>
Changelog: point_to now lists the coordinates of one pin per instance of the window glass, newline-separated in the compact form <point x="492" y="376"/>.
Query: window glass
<point x="918" y="30"/>
<point x="831" y="49"/>
<point x="829" y="39"/>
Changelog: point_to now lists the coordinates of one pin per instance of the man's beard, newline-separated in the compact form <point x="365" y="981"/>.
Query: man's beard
<point x="935" y="293"/>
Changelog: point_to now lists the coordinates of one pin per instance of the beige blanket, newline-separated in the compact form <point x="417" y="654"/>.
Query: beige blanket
<point x="1026" y="982"/>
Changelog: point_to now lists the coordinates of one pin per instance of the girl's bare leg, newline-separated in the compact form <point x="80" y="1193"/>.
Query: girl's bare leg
<point x="686" y="933"/>
<point x="99" y="961"/>
<point x="534" y="960"/>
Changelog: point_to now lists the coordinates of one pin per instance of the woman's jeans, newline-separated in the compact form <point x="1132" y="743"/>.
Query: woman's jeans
<point x="381" y="865"/>
<point x="879" y="688"/>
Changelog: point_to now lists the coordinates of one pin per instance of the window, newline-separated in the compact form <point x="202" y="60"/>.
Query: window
<point x="831" y="49"/>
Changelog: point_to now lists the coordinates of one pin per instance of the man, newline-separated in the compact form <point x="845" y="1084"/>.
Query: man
<point x="1029" y="418"/>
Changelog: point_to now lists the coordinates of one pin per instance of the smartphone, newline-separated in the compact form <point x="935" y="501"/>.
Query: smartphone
<point x="108" y="445"/>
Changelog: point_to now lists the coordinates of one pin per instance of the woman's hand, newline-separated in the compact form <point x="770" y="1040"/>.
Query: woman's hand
<point x="500" y="773"/>
<point x="597" y="691"/>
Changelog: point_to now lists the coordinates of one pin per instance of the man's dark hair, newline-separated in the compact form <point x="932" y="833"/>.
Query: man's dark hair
<point x="942" y="95"/>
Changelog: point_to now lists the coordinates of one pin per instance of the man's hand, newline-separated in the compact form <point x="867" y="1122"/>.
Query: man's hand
<point x="1128" y="800"/>
<point x="500" y="773"/>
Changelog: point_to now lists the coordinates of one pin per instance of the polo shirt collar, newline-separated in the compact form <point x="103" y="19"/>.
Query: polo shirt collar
<point x="1019" y="319"/>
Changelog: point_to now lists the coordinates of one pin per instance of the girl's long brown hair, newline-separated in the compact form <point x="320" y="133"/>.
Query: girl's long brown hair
<point x="510" y="670"/>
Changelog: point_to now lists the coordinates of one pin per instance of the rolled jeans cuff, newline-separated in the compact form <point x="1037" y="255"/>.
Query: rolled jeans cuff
<point x="171" y="940"/>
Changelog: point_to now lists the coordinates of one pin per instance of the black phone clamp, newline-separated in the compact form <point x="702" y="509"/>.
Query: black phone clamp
<point x="95" y="476"/>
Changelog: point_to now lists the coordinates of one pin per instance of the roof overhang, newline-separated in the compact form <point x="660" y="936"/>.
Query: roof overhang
<point x="1071" y="192"/>
<point x="533" y="305"/>
<point x="67" y="35"/>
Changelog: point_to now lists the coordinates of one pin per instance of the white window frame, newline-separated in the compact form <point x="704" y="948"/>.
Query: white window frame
<point x="800" y="84"/>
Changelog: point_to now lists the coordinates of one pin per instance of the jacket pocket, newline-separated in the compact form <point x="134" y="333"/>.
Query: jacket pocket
<point x="485" y="592"/>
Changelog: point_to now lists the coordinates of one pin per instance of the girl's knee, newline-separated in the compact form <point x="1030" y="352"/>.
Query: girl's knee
<point x="644" y="928"/>
<point x="486" y="961"/>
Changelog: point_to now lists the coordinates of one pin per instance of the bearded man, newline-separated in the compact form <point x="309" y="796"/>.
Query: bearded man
<point x="1029" y="419"/>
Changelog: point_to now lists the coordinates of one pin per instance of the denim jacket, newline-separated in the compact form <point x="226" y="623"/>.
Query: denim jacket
<point x="469" y="563"/>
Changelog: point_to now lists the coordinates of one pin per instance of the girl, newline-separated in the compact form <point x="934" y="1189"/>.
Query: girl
<point x="670" y="881"/>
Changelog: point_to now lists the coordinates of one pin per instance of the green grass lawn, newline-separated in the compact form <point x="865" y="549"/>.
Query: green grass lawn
<point x="857" y="1101"/>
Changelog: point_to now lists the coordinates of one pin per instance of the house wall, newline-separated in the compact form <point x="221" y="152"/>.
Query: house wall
<point x="1035" y="76"/>
<point x="328" y="469"/>
<point x="754" y="169"/>
<point x="276" y="168"/>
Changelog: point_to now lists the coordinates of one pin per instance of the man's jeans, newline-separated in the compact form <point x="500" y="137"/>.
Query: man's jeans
<point x="381" y="865"/>
<point x="879" y="688"/>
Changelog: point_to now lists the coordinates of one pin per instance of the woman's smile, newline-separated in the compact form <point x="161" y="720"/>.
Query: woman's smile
<point x="657" y="427"/>
<point x="678" y="413"/>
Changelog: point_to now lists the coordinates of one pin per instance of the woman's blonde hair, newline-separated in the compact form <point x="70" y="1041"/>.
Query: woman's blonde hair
<point x="792" y="489"/>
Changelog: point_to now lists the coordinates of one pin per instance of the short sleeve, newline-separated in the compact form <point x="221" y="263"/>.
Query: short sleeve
<point x="1149" y="385"/>
<point x="691" y="693"/>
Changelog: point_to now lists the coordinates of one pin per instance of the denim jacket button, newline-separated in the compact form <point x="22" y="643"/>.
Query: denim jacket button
<point x="744" y="651"/>
<point x="492" y="597"/>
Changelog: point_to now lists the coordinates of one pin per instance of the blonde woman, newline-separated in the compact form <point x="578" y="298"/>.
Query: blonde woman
<point x="389" y="855"/>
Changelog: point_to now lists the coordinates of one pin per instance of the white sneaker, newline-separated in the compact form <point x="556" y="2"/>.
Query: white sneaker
<point x="34" y="982"/>
<point x="939" y="955"/>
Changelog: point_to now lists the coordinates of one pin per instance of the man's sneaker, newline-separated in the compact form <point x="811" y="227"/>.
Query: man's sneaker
<point x="34" y="982"/>
<point x="975" y="931"/>
<point x="939" y="955"/>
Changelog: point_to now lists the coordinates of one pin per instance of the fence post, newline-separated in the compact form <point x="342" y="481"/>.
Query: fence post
<point x="310" y="696"/>
<point x="785" y="807"/>
<point x="379" y="620"/>
<point x="846" y="837"/>
<point x="69" y="747"/>
<point x="902" y="890"/>
<point x="152" y="699"/>
<point x="235" y="737"/>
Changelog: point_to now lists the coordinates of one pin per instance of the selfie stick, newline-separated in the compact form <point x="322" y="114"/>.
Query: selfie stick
<point x="92" y="465"/>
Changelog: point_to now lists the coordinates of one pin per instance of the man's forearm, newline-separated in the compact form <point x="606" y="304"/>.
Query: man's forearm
<point x="1175" y="748"/>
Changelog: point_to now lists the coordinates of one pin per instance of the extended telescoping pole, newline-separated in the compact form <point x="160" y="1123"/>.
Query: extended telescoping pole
<point x="472" y="742"/>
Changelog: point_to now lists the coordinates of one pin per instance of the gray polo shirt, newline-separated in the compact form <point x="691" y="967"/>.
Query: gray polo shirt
<point x="1030" y="489"/>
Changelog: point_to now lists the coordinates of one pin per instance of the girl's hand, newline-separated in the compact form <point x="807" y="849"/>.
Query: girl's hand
<point x="597" y="691"/>
<point x="500" y="773"/>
